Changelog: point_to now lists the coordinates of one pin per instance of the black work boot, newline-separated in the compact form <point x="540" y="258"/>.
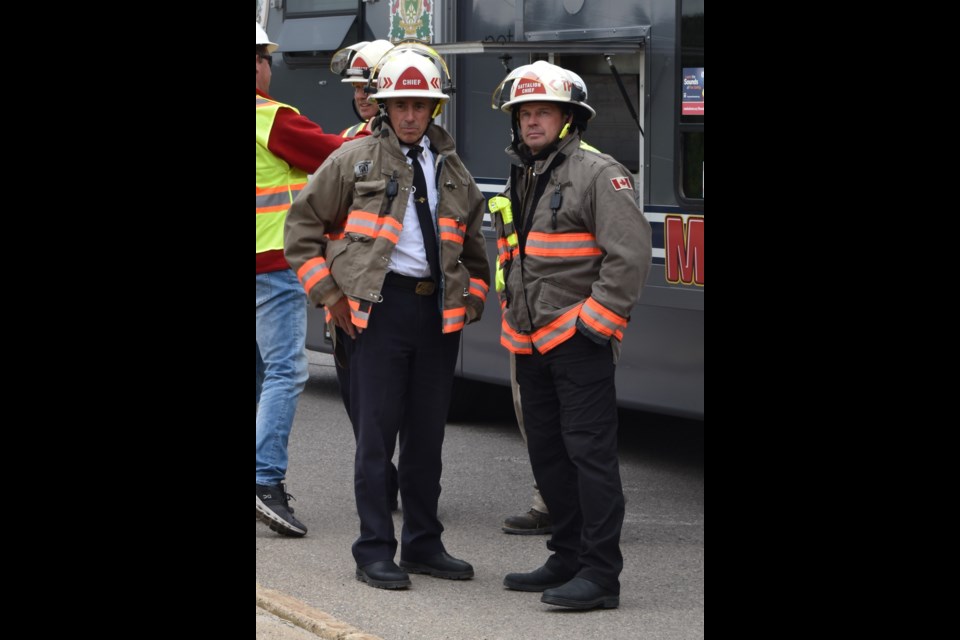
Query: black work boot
<point x="536" y="580"/>
<point x="580" y="593"/>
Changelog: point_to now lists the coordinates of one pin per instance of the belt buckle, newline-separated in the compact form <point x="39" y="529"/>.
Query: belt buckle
<point x="424" y="288"/>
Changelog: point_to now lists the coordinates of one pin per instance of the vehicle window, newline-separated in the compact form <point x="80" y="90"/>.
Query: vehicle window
<point x="691" y="100"/>
<point x="314" y="7"/>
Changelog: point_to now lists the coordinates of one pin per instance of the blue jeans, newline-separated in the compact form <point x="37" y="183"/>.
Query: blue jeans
<point x="281" y="368"/>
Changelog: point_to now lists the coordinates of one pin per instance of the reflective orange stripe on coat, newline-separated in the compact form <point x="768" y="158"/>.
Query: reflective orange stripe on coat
<point x="602" y="320"/>
<point x="373" y="225"/>
<point x="359" y="312"/>
<point x="506" y="250"/>
<point x="454" y="319"/>
<point x="451" y="230"/>
<point x="562" y="245"/>
<point x="513" y="341"/>
<point x="312" y="272"/>
<point x="557" y="332"/>
<point x="479" y="288"/>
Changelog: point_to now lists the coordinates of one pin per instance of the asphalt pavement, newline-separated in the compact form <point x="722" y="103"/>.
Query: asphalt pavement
<point x="307" y="585"/>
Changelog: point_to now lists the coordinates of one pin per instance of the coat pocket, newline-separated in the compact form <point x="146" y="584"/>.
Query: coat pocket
<point x="557" y="297"/>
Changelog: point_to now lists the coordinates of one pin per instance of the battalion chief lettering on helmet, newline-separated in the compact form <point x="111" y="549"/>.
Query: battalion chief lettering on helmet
<point x="574" y="249"/>
<point x="387" y="237"/>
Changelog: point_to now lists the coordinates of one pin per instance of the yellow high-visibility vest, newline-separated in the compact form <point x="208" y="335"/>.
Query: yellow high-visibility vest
<point x="349" y="132"/>
<point x="278" y="183"/>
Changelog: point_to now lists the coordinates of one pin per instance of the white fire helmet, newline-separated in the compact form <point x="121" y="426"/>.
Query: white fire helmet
<point x="406" y="73"/>
<point x="263" y="39"/>
<point x="542" y="82"/>
<point x="359" y="65"/>
<point x="341" y="59"/>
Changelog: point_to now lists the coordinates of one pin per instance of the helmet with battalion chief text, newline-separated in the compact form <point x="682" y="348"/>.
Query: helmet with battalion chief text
<point x="543" y="82"/>
<point x="360" y="63"/>
<point x="264" y="40"/>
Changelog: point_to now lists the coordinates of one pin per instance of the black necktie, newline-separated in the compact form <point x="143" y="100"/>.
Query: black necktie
<point x="422" y="205"/>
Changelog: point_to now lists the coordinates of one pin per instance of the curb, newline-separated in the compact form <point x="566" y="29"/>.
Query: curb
<point x="308" y="618"/>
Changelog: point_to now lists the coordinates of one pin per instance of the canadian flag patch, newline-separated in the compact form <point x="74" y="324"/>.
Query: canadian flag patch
<point x="621" y="183"/>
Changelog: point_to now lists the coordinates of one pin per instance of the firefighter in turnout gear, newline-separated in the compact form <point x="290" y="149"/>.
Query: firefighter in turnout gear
<point x="355" y="63"/>
<point x="387" y="237"/>
<point x="579" y="263"/>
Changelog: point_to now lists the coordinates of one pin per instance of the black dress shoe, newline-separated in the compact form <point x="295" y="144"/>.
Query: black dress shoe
<point x="384" y="575"/>
<point x="580" y="593"/>
<point x="536" y="580"/>
<point x="442" y="565"/>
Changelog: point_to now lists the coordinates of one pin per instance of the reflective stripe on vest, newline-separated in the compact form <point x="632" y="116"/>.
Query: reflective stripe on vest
<point x="277" y="182"/>
<point x="349" y="132"/>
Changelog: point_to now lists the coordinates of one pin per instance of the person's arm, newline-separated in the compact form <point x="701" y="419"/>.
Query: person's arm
<point x="301" y="142"/>
<point x="474" y="254"/>
<point x="319" y="208"/>
<point x="623" y="234"/>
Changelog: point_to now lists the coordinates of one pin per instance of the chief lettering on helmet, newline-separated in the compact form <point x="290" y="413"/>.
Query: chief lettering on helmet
<point x="412" y="70"/>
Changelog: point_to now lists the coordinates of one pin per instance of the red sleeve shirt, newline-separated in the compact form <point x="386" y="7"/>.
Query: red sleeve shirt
<point x="300" y="141"/>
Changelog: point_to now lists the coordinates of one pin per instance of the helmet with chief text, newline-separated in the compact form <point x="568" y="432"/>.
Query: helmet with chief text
<point x="413" y="70"/>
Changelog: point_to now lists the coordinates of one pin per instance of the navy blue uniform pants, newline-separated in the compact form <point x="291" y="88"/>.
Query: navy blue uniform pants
<point x="344" y="345"/>
<point x="569" y="405"/>
<point x="401" y="374"/>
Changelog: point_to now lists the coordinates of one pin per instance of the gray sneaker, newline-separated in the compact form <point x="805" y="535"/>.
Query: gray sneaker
<point x="274" y="511"/>
<point x="531" y="523"/>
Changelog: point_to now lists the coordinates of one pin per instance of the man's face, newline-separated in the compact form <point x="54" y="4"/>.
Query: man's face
<point x="366" y="109"/>
<point x="264" y="72"/>
<point x="540" y="123"/>
<point x="410" y="117"/>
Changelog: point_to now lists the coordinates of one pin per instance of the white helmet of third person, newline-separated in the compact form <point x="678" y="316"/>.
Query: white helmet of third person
<point x="341" y="59"/>
<point x="407" y="74"/>
<point x="263" y="39"/>
<point x="543" y="82"/>
<point x="365" y="61"/>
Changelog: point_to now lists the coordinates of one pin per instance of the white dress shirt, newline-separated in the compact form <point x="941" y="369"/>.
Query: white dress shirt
<point x="409" y="257"/>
